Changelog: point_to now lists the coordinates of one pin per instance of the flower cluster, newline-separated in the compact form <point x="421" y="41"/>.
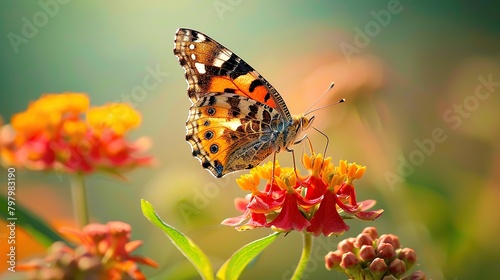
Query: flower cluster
<point x="369" y="256"/>
<point x="62" y="132"/>
<point x="317" y="203"/>
<point x="103" y="253"/>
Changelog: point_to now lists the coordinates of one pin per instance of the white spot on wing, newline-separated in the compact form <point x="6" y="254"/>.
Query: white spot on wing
<point x="233" y="124"/>
<point x="200" y="67"/>
<point x="191" y="46"/>
<point x="193" y="56"/>
<point x="201" y="38"/>
<point x="222" y="57"/>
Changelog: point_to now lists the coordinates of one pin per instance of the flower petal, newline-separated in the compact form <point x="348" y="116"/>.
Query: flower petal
<point x="290" y="217"/>
<point x="327" y="220"/>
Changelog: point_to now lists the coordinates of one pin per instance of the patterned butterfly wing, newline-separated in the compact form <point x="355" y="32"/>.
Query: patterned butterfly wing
<point x="237" y="118"/>
<point x="210" y="67"/>
<point x="229" y="132"/>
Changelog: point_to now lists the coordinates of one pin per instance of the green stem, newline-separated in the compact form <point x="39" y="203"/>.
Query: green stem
<point x="307" y="242"/>
<point x="79" y="196"/>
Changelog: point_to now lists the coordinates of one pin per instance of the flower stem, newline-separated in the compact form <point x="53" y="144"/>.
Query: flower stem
<point x="307" y="242"/>
<point x="79" y="196"/>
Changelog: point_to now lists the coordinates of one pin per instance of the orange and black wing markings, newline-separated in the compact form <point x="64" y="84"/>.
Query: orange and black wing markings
<point x="237" y="118"/>
<point x="210" y="67"/>
<point x="221" y="125"/>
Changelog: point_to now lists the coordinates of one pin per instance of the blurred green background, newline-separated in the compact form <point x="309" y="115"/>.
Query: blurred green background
<point x="410" y="71"/>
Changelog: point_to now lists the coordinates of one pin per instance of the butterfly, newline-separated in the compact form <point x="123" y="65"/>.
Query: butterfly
<point x="237" y="118"/>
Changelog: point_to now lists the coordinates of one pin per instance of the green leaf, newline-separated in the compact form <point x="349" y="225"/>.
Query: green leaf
<point x="185" y="245"/>
<point x="30" y="222"/>
<point x="235" y="265"/>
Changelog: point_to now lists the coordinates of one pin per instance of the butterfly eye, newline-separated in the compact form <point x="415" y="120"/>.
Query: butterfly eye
<point x="305" y="123"/>
<point x="214" y="148"/>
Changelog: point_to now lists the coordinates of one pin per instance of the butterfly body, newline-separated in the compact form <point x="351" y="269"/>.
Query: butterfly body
<point x="237" y="119"/>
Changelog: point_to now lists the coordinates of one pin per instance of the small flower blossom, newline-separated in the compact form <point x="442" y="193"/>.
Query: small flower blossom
<point x="369" y="256"/>
<point x="103" y="253"/>
<point x="317" y="203"/>
<point x="62" y="132"/>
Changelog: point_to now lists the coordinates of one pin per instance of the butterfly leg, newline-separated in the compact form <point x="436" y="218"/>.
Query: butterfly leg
<point x="274" y="166"/>
<point x="294" y="164"/>
<point x="299" y="141"/>
<point x="272" y="175"/>
<point x="327" y="140"/>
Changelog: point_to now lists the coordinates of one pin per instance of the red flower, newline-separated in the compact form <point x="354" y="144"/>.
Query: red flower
<point x="290" y="218"/>
<point x="327" y="220"/>
<point x="317" y="203"/>
<point x="104" y="253"/>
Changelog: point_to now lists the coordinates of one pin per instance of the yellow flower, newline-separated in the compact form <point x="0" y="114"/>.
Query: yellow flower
<point x="332" y="177"/>
<point x="265" y="171"/>
<point x="315" y="163"/>
<point x="67" y="102"/>
<point x="355" y="171"/>
<point x="342" y="168"/>
<point x="249" y="182"/>
<point x="44" y="115"/>
<point x="287" y="180"/>
<point x="117" y="116"/>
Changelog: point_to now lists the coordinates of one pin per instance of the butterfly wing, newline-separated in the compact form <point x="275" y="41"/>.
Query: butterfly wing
<point x="210" y="67"/>
<point x="228" y="132"/>
<point x="237" y="118"/>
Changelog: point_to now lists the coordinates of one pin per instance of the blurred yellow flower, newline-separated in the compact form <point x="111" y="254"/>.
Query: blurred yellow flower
<point x="117" y="116"/>
<point x="53" y="133"/>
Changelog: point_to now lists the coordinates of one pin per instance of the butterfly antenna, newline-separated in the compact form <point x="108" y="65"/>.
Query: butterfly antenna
<point x="329" y="105"/>
<point x="319" y="99"/>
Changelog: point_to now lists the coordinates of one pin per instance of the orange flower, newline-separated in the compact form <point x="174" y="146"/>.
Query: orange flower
<point x="61" y="132"/>
<point x="104" y="253"/>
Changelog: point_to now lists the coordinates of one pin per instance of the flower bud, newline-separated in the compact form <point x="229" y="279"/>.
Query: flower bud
<point x="363" y="239"/>
<point x="371" y="231"/>
<point x="378" y="265"/>
<point x="417" y="275"/>
<point x="346" y="245"/>
<point x="386" y="251"/>
<point x="367" y="253"/>
<point x="397" y="267"/>
<point x="409" y="256"/>
<point x="389" y="238"/>
<point x="333" y="259"/>
<point x="349" y="260"/>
